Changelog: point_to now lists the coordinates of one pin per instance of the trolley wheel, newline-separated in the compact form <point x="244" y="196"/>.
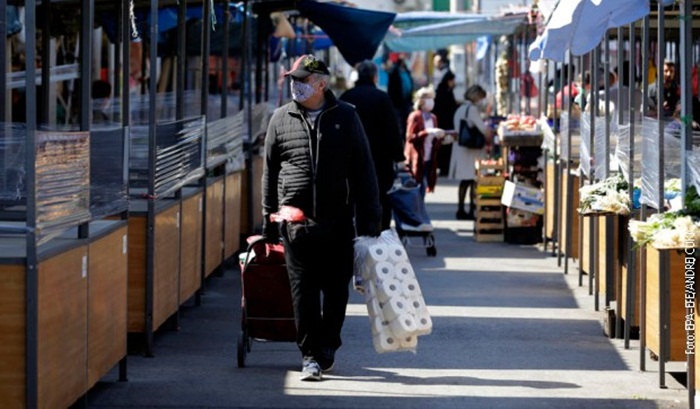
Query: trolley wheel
<point x="431" y="251"/>
<point x="243" y="348"/>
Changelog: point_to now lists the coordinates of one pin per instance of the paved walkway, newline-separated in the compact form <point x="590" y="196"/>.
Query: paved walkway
<point x="510" y="331"/>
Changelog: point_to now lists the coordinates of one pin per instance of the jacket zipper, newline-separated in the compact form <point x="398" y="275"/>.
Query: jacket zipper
<point x="314" y="166"/>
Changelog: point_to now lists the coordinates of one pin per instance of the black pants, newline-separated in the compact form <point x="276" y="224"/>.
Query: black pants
<point x="320" y="270"/>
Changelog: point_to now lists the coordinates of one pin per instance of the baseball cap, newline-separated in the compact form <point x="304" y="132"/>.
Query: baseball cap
<point x="307" y="65"/>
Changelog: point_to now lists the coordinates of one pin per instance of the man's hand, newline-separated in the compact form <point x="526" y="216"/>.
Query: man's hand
<point x="271" y="231"/>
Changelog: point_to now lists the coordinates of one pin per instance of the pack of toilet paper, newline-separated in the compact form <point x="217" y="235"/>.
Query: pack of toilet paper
<point x="395" y="304"/>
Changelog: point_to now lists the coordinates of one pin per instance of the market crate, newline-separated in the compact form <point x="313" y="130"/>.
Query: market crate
<point x="488" y="224"/>
<point x="570" y="195"/>
<point x="489" y="167"/>
<point x="676" y="296"/>
<point x="494" y="191"/>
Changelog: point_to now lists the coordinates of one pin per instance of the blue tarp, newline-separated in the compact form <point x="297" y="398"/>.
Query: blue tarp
<point x="357" y="33"/>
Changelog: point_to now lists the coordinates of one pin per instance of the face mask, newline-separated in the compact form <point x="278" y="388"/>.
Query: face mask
<point x="300" y="91"/>
<point x="428" y="104"/>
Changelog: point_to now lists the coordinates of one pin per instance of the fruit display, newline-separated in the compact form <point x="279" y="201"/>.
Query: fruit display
<point x="520" y="123"/>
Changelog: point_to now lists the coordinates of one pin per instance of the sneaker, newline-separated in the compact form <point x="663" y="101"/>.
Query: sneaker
<point x="461" y="215"/>
<point x="408" y="227"/>
<point x="426" y="227"/>
<point x="310" y="370"/>
<point x="326" y="360"/>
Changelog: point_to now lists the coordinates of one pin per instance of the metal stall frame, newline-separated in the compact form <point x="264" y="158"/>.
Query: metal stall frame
<point x="569" y="188"/>
<point x="592" y="223"/>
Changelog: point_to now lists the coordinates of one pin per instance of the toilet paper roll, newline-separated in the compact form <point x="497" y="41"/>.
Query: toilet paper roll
<point x="394" y="307"/>
<point x="384" y="270"/>
<point x="424" y="325"/>
<point x="397" y="253"/>
<point x="386" y="289"/>
<point x="378" y="252"/>
<point x="409" y="342"/>
<point x="403" y="326"/>
<point x="373" y="308"/>
<point x="416" y="305"/>
<point x="385" y="343"/>
<point x="410" y="288"/>
<point x="379" y="326"/>
<point x="403" y="270"/>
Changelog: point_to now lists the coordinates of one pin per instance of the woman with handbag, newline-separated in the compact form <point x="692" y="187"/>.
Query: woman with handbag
<point x="464" y="155"/>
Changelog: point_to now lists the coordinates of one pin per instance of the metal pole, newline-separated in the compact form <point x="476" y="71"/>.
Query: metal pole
<point x="631" y="252"/>
<point x="594" y="226"/>
<point x="580" y="185"/>
<point x="664" y="307"/>
<point x="643" y="253"/>
<point x="3" y="60"/>
<point x="224" y="61"/>
<point x="181" y="60"/>
<point x="687" y="144"/>
<point x="558" y="181"/>
<point x="568" y="212"/>
<point x="43" y="117"/>
<point x="152" y="158"/>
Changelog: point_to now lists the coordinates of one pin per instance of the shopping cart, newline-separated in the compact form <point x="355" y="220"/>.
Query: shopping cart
<point x="410" y="215"/>
<point x="266" y="298"/>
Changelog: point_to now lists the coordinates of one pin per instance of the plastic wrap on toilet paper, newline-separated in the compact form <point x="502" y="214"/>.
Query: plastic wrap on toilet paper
<point x="387" y="289"/>
<point x="423" y="323"/>
<point x="403" y="270"/>
<point x="385" y="342"/>
<point x="394" y="307"/>
<point x="410" y="342"/>
<point x="410" y="288"/>
<point x="384" y="270"/>
<point x="403" y="326"/>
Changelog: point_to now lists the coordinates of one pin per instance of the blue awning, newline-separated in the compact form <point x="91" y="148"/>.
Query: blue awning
<point x="435" y="30"/>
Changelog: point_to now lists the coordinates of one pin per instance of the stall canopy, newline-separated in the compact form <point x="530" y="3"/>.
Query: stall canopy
<point x="418" y="31"/>
<point x="579" y="25"/>
<point x="357" y="33"/>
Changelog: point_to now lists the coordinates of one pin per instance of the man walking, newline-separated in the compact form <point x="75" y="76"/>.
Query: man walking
<point x="385" y="141"/>
<point x="317" y="160"/>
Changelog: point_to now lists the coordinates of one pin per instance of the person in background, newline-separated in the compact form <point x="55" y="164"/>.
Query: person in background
<point x="441" y="66"/>
<point x="462" y="166"/>
<point x="385" y="140"/>
<point x="671" y="92"/>
<point x="318" y="165"/>
<point x="445" y="107"/>
<point x="423" y="143"/>
<point x="400" y="88"/>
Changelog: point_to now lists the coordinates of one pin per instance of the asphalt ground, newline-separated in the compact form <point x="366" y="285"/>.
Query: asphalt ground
<point x="510" y="330"/>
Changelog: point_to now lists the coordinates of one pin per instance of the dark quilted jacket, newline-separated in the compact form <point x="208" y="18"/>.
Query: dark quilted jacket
<point x="343" y="185"/>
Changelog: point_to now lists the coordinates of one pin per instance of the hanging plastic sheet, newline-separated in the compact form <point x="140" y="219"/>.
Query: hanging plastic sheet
<point x="585" y="165"/>
<point x="622" y="149"/>
<point x="651" y="173"/>
<point x="548" y="136"/>
<point x="62" y="182"/>
<point x="179" y="155"/>
<point x="600" y="154"/>
<point x="693" y="161"/>
<point x="108" y="176"/>
<point x="166" y="104"/>
<point x="234" y="147"/>
<point x="224" y="140"/>
<point x="12" y="163"/>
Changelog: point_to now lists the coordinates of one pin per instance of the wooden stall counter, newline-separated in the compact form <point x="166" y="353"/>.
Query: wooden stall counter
<point x="233" y="195"/>
<point x="214" y="222"/>
<point x="166" y="264"/>
<point x="80" y="316"/>
<point x="191" y="243"/>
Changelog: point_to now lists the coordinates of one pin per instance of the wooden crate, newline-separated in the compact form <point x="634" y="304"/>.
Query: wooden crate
<point x="624" y="251"/>
<point x="232" y="213"/>
<point x="191" y="246"/>
<point x="62" y="328"/>
<point x="214" y="219"/>
<point x="603" y="269"/>
<point x="585" y="259"/>
<point x="488" y="223"/>
<point x="677" y="307"/>
<point x="107" y="307"/>
<point x="573" y="216"/>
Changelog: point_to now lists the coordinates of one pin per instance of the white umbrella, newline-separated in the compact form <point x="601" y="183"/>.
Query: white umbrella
<point x="579" y="25"/>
